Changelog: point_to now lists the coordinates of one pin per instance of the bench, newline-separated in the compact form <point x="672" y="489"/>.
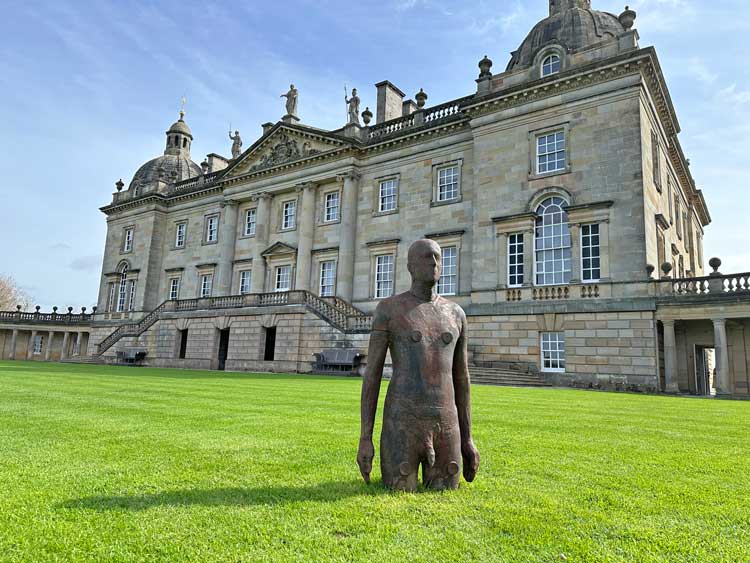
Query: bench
<point x="131" y="356"/>
<point x="339" y="361"/>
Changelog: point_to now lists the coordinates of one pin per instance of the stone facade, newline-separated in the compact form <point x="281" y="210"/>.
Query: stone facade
<point x="473" y="174"/>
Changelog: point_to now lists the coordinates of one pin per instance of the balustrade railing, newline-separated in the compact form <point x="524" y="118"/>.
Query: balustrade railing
<point x="442" y="111"/>
<point x="710" y="285"/>
<point x="45" y="318"/>
<point x="392" y="126"/>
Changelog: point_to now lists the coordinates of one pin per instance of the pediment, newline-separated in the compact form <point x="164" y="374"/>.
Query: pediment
<point x="278" y="248"/>
<point x="282" y="145"/>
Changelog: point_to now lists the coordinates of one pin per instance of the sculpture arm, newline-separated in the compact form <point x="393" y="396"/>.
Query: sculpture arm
<point x="376" y="354"/>
<point x="462" y="387"/>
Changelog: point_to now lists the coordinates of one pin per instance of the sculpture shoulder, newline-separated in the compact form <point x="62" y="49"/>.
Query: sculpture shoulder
<point x="454" y="308"/>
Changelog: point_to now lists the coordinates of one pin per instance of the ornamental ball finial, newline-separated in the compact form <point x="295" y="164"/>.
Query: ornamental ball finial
<point x="119" y="185"/>
<point x="421" y="98"/>
<point x="367" y="116"/>
<point x="715" y="263"/>
<point x="627" y="18"/>
<point x="485" y="66"/>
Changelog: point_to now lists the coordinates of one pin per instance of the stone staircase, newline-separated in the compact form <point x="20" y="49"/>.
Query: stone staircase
<point x="507" y="376"/>
<point x="83" y="360"/>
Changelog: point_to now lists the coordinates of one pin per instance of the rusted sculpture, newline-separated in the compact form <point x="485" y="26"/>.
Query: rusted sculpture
<point x="427" y="416"/>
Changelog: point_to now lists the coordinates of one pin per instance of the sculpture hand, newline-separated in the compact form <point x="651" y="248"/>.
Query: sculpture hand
<point x="471" y="460"/>
<point x="365" y="456"/>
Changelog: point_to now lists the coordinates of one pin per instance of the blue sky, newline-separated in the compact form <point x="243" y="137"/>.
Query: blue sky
<point x="88" y="87"/>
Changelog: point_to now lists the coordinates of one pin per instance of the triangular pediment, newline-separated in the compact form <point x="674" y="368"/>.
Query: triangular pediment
<point x="285" y="144"/>
<point x="277" y="249"/>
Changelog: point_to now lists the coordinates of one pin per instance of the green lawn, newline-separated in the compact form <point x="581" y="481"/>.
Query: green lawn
<point x="133" y="464"/>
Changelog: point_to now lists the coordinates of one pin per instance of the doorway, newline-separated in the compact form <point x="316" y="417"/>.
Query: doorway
<point x="705" y="368"/>
<point x="269" y="352"/>
<point x="223" y="348"/>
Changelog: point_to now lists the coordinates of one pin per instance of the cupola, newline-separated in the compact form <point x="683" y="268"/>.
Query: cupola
<point x="179" y="138"/>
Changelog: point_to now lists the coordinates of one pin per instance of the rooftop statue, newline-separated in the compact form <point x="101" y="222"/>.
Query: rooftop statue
<point x="427" y="414"/>
<point x="236" y="144"/>
<point x="291" y="101"/>
<point x="353" y="107"/>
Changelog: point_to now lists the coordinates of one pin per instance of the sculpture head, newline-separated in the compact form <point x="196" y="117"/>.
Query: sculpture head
<point x="425" y="262"/>
<point x="354" y="91"/>
<point x="236" y="132"/>
<point x="291" y="86"/>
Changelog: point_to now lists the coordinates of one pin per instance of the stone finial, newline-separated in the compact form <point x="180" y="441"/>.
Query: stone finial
<point x="93" y="310"/>
<point x="83" y="310"/>
<point x="367" y="116"/>
<point x="119" y="185"/>
<point x="54" y="310"/>
<point x="627" y="18"/>
<point x="421" y="98"/>
<point x="715" y="264"/>
<point x="485" y="66"/>
<point x="37" y="309"/>
<point x="70" y="310"/>
<point x="18" y="308"/>
<point x="204" y="166"/>
<point x="650" y="269"/>
<point x="666" y="268"/>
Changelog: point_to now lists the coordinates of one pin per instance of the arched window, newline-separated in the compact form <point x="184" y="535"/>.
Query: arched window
<point x="123" y="289"/>
<point x="550" y="65"/>
<point x="552" y="242"/>
<point x="184" y="142"/>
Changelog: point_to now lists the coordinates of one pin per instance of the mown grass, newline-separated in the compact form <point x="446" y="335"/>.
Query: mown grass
<point x="117" y="464"/>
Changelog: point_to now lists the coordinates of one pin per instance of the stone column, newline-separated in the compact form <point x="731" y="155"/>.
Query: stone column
<point x="262" y="229"/>
<point x="722" y="382"/>
<point x="348" y="235"/>
<point x="65" y="345"/>
<point x="50" y="341"/>
<point x="306" y="233"/>
<point x="670" y="358"/>
<point x="227" y="244"/>
<point x="528" y="258"/>
<point x="13" y="341"/>
<point x="502" y="264"/>
<point x="79" y="343"/>
<point x="30" y="348"/>
<point x="575" y="253"/>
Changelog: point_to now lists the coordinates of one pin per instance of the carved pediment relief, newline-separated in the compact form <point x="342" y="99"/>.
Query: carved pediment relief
<point x="283" y="146"/>
<point x="278" y="248"/>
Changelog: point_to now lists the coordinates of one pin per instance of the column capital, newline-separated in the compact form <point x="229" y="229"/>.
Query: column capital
<point x="307" y="186"/>
<point x="719" y="322"/>
<point x="262" y="196"/>
<point x="668" y="322"/>
<point x="228" y="203"/>
<point x="349" y="175"/>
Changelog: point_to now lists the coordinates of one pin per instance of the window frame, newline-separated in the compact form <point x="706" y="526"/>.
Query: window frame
<point x="131" y="295"/>
<point x="563" y="248"/>
<point x="394" y="180"/>
<point x="207" y="229"/>
<point x="543" y="64"/>
<point x="456" y="249"/>
<point x="591" y="269"/>
<point x="519" y="261"/>
<point x="174" y="292"/>
<point x="327" y="219"/>
<point x="178" y="225"/>
<point x="288" y="204"/>
<point x="247" y="223"/>
<point x="206" y="285"/>
<point x="559" y="350"/>
<point x="537" y="154"/>
<point x="128" y="239"/>
<point x="245" y="285"/>
<point x="38" y="345"/>
<point x="322" y="278"/>
<point x="278" y="278"/>
<point x="656" y="160"/>
<point x="439" y="169"/>
<point x="376" y="278"/>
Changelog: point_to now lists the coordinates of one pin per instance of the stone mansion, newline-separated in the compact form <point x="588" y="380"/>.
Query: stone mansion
<point x="569" y="221"/>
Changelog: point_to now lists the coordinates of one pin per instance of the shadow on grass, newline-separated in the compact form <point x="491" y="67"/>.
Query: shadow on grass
<point x="260" y="496"/>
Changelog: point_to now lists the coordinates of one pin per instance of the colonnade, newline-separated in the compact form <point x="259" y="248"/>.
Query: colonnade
<point x="73" y="343"/>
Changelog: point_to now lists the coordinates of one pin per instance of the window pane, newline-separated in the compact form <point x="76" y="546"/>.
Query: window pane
<point x="448" y="282"/>
<point x="384" y="276"/>
<point x="553" y="351"/>
<point x="552" y="243"/>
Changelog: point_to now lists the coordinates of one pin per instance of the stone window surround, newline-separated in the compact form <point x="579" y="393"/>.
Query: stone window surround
<point x="215" y="215"/>
<point x="551" y="49"/>
<point x="325" y="255"/>
<point x="243" y="225"/>
<point x="322" y="215"/>
<point x="280" y="215"/>
<point x="376" y="194"/>
<point x="276" y="261"/>
<point x="547" y="130"/>
<point x="125" y="231"/>
<point x="542" y="350"/>
<point x="173" y="274"/>
<point x="382" y="248"/>
<point x="239" y="266"/>
<point x="436" y="168"/>
<point x="587" y="213"/>
<point x="446" y="239"/>
<point x="206" y="270"/>
<point x="116" y="278"/>
<point x="174" y="237"/>
<point x="523" y="243"/>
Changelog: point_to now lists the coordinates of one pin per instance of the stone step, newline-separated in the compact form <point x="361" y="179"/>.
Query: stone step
<point x="505" y="377"/>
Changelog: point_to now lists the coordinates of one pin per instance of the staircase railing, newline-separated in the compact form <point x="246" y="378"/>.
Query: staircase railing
<point x="335" y="311"/>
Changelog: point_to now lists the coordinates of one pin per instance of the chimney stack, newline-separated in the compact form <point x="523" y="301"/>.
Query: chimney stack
<point x="390" y="102"/>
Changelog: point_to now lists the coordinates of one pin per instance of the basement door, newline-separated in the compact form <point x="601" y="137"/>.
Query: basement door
<point x="223" y="348"/>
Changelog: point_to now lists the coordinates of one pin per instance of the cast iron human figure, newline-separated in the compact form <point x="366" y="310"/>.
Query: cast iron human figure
<point x="427" y="415"/>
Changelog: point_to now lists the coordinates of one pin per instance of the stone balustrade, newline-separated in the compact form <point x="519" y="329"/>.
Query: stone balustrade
<point x="54" y="318"/>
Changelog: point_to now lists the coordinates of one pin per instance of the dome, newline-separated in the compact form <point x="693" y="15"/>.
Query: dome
<point x="163" y="167"/>
<point x="180" y="127"/>
<point x="573" y="28"/>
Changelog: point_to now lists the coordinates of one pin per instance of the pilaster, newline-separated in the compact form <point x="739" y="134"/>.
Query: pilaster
<point x="227" y="244"/>
<point x="262" y="228"/>
<point x="13" y="342"/>
<point x="306" y="234"/>
<point x="50" y="342"/>
<point x="348" y="234"/>
<point x="723" y="383"/>
<point x="670" y="358"/>
<point x="30" y="348"/>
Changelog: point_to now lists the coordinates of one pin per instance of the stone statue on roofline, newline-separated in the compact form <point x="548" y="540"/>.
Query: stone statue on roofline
<point x="236" y="144"/>
<point x="291" y="101"/>
<point x="427" y="414"/>
<point x="353" y="107"/>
